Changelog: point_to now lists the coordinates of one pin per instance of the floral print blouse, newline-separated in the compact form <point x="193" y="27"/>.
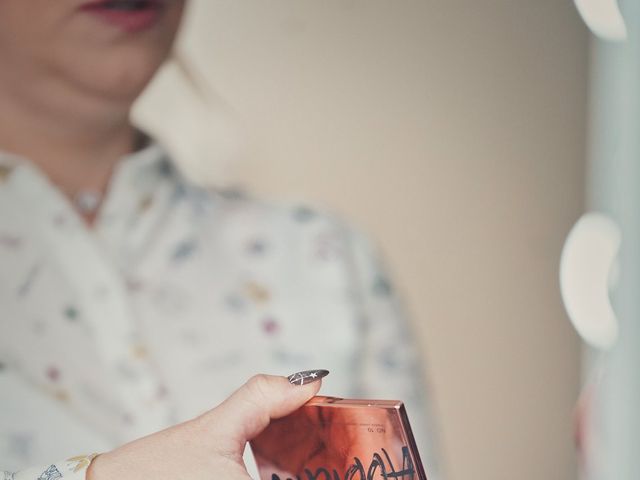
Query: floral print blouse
<point x="174" y="298"/>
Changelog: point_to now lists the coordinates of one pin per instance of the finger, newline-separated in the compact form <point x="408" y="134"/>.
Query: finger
<point x="249" y="410"/>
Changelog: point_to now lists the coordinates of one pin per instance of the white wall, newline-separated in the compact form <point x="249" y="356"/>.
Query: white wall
<point x="451" y="130"/>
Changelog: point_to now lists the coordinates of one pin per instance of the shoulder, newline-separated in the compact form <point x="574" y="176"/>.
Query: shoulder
<point x="237" y="217"/>
<point x="237" y="207"/>
<point x="234" y="204"/>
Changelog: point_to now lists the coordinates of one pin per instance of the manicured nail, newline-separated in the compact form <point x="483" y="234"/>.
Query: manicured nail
<point x="308" y="376"/>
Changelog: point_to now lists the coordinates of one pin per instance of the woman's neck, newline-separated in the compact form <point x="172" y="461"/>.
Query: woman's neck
<point x="74" y="157"/>
<point x="76" y="147"/>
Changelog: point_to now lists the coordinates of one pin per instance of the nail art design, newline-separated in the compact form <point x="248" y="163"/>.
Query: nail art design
<point x="308" y="376"/>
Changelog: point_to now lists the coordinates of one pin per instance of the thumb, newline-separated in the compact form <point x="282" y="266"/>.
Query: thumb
<point x="248" y="411"/>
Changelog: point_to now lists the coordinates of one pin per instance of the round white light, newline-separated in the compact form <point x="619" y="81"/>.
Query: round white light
<point x="586" y="267"/>
<point x="603" y="17"/>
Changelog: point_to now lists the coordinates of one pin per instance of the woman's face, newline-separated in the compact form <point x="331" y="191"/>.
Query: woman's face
<point x="109" y="48"/>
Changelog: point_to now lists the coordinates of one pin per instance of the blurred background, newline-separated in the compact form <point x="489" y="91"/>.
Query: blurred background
<point x="454" y="132"/>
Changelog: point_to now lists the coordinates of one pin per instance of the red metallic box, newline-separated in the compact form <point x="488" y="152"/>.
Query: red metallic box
<point x="340" y="439"/>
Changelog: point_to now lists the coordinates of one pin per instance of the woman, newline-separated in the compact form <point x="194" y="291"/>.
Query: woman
<point x="131" y="299"/>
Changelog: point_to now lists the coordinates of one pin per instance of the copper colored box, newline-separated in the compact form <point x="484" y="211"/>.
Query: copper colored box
<point x="339" y="439"/>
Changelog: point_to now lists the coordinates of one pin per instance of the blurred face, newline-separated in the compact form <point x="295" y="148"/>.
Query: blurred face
<point x="105" y="48"/>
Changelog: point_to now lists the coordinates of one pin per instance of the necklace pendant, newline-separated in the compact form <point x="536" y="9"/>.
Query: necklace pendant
<point x="87" y="201"/>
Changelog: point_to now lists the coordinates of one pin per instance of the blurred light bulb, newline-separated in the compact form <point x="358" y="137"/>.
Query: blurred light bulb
<point x="603" y="17"/>
<point x="586" y="267"/>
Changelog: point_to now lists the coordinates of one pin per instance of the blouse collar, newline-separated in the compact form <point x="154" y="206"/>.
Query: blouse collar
<point x="138" y="191"/>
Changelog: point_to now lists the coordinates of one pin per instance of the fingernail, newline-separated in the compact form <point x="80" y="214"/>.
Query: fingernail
<point x="308" y="376"/>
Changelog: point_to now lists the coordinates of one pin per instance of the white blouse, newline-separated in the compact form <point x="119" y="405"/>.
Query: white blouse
<point x="174" y="298"/>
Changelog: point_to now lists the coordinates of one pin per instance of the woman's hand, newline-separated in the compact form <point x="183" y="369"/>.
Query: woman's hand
<point x="211" y="445"/>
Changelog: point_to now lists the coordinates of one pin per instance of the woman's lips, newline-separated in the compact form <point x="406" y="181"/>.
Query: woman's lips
<point x="129" y="15"/>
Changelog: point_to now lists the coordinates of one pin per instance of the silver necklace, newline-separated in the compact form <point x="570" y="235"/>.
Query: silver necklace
<point x="87" y="201"/>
